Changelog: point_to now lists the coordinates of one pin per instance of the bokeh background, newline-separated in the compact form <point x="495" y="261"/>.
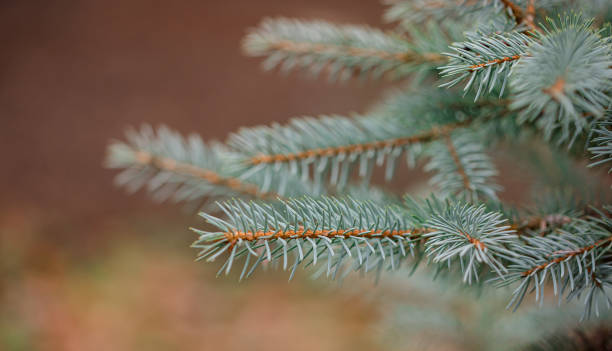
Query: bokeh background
<point x="83" y="266"/>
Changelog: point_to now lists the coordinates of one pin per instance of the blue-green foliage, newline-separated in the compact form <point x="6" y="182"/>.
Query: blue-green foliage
<point x="470" y="234"/>
<point x="485" y="60"/>
<point x="371" y="235"/>
<point x="185" y="169"/>
<point x="343" y="51"/>
<point x="349" y="231"/>
<point x="576" y="259"/>
<point x="566" y="79"/>
<point x="462" y="168"/>
<point x="409" y="13"/>
<point x="329" y="149"/>
<point x="555" y="83"/>
<point x="165" y="184"/>
<point x="602" y="142"/>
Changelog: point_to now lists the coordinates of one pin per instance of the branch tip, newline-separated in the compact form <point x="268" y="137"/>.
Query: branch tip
<point x="145" y="158"/>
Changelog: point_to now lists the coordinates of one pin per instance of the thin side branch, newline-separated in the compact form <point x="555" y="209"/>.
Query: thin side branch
<point x="453" y="152"/>
<point x="567" y="255"/>
<point x="308" y="48"/>
<point x="303" y="233"/>
<point x="495" y="62"/>
<point x="427" y="136"/>
<point x="540" y="222"/>
<point x="477" y="243"/>
<point x="411" y="234"/>
<point x="167" y="164"/>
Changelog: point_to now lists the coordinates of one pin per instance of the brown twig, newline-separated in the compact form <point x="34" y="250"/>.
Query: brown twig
<point x="145" y="158"/>
<point x="427" y="136"/>
<point x="495" y="61"/>
<point x="567" y="254"/>
<point x="527" y="17"/>
<point x="453" y="152"/>
<point x="301" y="233"/>
<point x="306" y="48"/>
<point x="517" y="12"/>
<point x="541" y="222"/>
<point x="232" y="237"/>
<point x="474" y="241"/>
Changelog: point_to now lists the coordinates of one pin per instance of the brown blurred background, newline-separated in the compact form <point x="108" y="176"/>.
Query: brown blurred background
<point x="86" y="267"/>
<point x="75" y="73"/>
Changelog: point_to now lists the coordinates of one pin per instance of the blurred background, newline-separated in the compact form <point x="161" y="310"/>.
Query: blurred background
<point x="83" y="265"/>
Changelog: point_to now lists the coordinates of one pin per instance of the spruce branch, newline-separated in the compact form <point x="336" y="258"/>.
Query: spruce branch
<point x="333" y="146"/>
<point x="310" y="230"/>
<point x="330" y="146"/>
<point x="462" y="168"/>
<point x="471" y="234"/>
<point x="453" y="152"/>
<point x="560" y="79"/>
<point x="450" y="233"/>
<point x="172" y="166"/>
<point x="577" y="261"/>
<point x="553" y="210"/>
<point x="542" y="224"/>
<point x="370" y="234"/>
<point x="411" y="12"/>
<point x="566" y="255"/>
<point x="343" y="50"/>
<point x="165" y="164"/>
<point x="427" y="136"/>
<point x="566" y="79"/>
<point x="485" y="60"/>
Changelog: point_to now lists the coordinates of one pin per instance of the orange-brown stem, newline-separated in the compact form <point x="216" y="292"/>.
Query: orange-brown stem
<point x="541" y="223"/>
<point x="306" y="48"/>
<point x="527" y="17"/>
<point x="474" y="241"/>
<point x="566" y="256"/>
<point x="517" y="12"/>
<point x="171" y="165"/>
<point x="332" y="151"/>
<point x="453" y="152"/>
<point x="556" y="89"/>
<point x="331" y="233"/>
<point x="301" y="233"/>
<point x="495" y="61"/>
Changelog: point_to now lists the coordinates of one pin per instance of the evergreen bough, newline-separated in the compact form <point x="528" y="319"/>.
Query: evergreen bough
<point x="499" y="73"/>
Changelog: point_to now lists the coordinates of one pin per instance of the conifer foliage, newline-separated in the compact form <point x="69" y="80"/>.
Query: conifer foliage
<point x="491" y="73"/>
